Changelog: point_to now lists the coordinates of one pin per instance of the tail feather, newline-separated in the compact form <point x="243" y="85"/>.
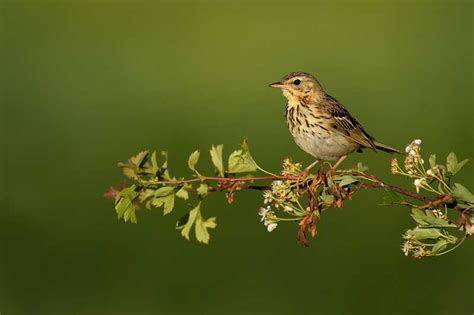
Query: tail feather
<point x="386" y="148"/>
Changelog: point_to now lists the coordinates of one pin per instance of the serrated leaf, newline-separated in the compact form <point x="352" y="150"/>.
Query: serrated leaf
<point x="128" y="172"/>
<point x="183" y="192"/>
<point x="191" y="218"/>
<point x="194" y="219"/>
<point x="451" y="162"/>
<point x="361" y="167"/>
<point x="427" y="218"/>
<point x="347" y="180"/>
<point x="462" y="193"/>
<point x="201" y="226"/>
<point x="164" y="191"/>
<point x="439" y="246"/>
<point x="182" y="221"/>
<point x="124" y="207"/>
<point x="216" y="157"/>
<point x="393" y="197"/>
<point x="327" y="199"/>
<point x="153" y="163"/>
<point x="460" y="165"/>
<point x="432" y="160"/>
<point x="240" y="161"/>
<point x="418" y="216"/>
<point x="168" y="204"/>
<point x="423" y="233"/>
<point x="146" y="194"/>
<point x="165" y="162"/>
<point x="138" y="159"/>
<point x="164" y="198"/>
<point x="193" y="160"/>
<point x="129" y="214"/>
<point x="202" y="190"/>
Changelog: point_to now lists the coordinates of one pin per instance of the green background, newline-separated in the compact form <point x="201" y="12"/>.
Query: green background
<point x="88" y="84"/>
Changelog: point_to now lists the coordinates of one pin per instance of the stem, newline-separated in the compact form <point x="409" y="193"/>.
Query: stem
<point x="452" y="248"/>
<point x="225" y="179"/>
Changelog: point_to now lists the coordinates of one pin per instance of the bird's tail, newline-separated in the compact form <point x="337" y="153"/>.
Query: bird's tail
<point x="386" y="148"/>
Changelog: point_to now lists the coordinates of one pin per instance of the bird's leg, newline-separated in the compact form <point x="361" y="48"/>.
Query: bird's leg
<point x="309" y="167"/>
<point x="338" y="162"/>
<point x="305" y="172"/>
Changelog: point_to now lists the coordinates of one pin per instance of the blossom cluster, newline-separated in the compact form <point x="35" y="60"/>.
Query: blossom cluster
<point x="414" y="167"/>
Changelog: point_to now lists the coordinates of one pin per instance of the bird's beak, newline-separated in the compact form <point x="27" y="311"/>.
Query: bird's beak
<point x="277" y="85"/>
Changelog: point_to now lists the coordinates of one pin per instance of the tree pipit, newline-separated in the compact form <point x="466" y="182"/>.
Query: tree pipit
<point x="320" y="125"/>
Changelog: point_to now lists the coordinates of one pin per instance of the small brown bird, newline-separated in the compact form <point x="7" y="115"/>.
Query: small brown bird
<point x="320" y="125"/>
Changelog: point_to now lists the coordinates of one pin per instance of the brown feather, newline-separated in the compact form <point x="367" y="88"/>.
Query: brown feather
<point x="346" y="124"/>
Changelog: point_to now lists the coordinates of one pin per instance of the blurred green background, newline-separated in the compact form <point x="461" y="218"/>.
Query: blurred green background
<point x="88" y="84"/>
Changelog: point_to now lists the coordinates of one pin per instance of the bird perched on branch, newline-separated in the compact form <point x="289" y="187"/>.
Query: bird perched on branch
<point x="320" y="125"/>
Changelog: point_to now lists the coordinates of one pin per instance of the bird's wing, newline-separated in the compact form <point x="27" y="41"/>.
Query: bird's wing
<point x="347" y="125"/>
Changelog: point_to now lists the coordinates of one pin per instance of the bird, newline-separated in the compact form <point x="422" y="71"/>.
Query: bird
<point x="320" y="125"/>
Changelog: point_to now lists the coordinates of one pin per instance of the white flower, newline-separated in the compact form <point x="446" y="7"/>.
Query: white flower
<point x="276" y="185"/>
<point x="263" y="213"/>
<point x="267" y="195"/>
<point x="271" y="226"/>
<point x="407" y="149"/>
<point x="288" y="208"/>
<point x="422" y="161"/>
<point x="418" y="183"/>
<point x="417" y="141"/>
<point x="419" y="252"/>
<point x="406" y="248"/>
<point x="430" y="173"/>
<point x="412" y="152"/>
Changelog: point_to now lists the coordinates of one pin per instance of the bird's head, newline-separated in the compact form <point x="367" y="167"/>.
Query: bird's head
<point x="298" y="86"/>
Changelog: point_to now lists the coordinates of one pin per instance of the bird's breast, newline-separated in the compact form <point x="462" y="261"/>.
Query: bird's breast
<point x="312" y="133"/>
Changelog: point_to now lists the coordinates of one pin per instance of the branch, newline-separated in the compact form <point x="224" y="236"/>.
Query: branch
<point x="294" y="195"/>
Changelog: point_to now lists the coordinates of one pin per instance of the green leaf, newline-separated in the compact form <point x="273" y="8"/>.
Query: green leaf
<point x="139" y="159"/>
<point x="146" y="194"/>
<point x="201" y="226"/>
<point x="124" y="207"/>
<point x="424" y="233"/>
<point x="347" y="180"/>
<point x="182" y="221"/>
<point x="451" y="162"/>
<point x="240" y="161"/>
<point x="432" y="160"/>
<point x="327" y="199"/>
<point x="439" y="246"/>
<point x="418" y="216"/>
<point x="183" y="192"/>
<point x="202" y="190"/>
<point x="168" y="204"/>
<point x="392" y="197"/>
<point x="193" y="159"/>
<point x="427" y="218"/>
<point x="216" y="157"/>
<point x="154" y="168"/>
<point x="460" y="165"/>
<point x="164" y="191"/>
<point x="186" y="222"/>
<point x="361" y="167"/>
<point x="462" y="193"/>
<point x="165" y="163"/>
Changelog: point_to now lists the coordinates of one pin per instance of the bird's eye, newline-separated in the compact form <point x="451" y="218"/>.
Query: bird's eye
<point x="297" y="82"/>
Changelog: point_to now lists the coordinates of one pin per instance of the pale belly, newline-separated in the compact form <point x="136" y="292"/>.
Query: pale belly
<point x="325" y="147"/>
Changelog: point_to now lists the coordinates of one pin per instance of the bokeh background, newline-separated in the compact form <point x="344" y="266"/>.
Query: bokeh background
<point x="87" y="84"/>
